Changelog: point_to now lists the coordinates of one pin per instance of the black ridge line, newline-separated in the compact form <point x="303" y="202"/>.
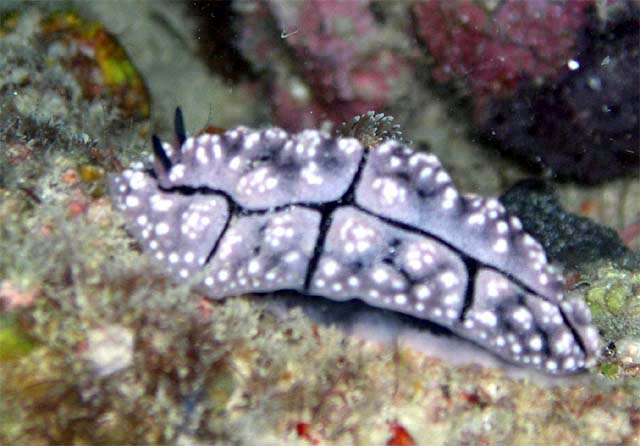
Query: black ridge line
<point x="330" y="206"/>
<point x="326" y="211"/>
<point x="323" y="228"/>
<point x="347" y="199"/>
<point x="233" y="209"/>
<point x="573" y="330"/>
<point x="472" y="272"/>
<point x="468" y="260"/>
<point x="546" y="349"/>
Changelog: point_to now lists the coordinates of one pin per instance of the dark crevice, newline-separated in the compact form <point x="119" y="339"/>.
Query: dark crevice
<point x="349" y="196"/>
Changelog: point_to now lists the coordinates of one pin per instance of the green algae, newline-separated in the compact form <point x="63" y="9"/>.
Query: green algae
<point x="614" y="299"/>
<point x="610" y="370"/>
<point x="608" y="300"/>
<point x="14" y="342"/>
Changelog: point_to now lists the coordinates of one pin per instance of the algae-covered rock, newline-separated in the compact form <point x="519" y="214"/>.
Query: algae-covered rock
<point x="613" y="294"/>
<point x="614" y="299"/>
<point x="103" y="349"/>
<point x="14" y="342"/>
<point x="98" y="61"/>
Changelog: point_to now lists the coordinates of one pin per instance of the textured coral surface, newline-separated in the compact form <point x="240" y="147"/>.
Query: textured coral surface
<point x="331" y="60"/>
<point x="493" y="46"/>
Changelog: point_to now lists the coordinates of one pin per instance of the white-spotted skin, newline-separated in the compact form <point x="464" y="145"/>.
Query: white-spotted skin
<point x="268" y="168"/>
<point x="532" y="330"/>
<point x="177" y="230"/>
<point x="264" y="210"/>
<point x="266" y="252"/>
<point x="389" y="268"/>
<point x="413" y="188"/>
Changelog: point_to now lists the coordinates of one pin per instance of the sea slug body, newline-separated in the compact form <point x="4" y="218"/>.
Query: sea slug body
<point x="257" y="211"/>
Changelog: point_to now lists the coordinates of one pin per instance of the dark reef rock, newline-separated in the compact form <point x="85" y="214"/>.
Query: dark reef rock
<point x="215" y="37"/>
<point x="569" y="239"/>
<point x="586" y="125"/>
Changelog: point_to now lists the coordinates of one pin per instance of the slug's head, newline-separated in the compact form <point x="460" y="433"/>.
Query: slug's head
<point x="174" y="226"/>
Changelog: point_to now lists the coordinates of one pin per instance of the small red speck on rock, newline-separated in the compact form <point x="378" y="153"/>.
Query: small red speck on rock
<point x="630" y="233"/>
<point x="588" y="207"/>
<point x="304" y="431"/>
<point x="82" y="347"/>
<point x="13" y="297"/>
<point x="471" y="398"/>
<point x="70" y="177"/>
<point x="400" y="436"/>
<point x="205" y="309"/>
<point x="572" y="279"/>
<point x="76" y="207"/>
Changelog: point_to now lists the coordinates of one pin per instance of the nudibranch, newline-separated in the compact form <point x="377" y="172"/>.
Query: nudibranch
<point x="257" y="211"/>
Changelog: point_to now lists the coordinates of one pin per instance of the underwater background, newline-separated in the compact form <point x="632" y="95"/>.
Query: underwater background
<point x="535" y="102"/>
